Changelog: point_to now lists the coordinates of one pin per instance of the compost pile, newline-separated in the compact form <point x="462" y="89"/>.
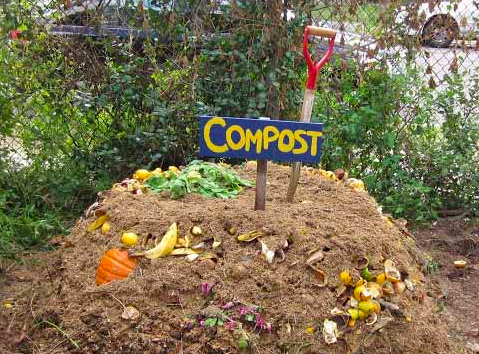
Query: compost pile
<point x="296" y="278"/>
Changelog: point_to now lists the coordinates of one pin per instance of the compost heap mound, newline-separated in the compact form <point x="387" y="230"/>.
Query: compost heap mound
<point x="234" y="300"/>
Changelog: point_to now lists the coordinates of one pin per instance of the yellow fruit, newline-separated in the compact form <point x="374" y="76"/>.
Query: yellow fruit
<point x="366" y="294"/>
<point x="381" y="278"/>
<point x="361" y="281"/>
<point x="377" y="306"/>
<point x="367" y="306"/>
<point x="362" y="314"/>
<point x="354" y="313"/>
<point x="310" y="330"/>
<point x="357" y="292"/>
<point x="105" y="227"/>
<point x="358" y="185"/>
<point x="375" y="290"/>
<point x="392" y="274"/>
<point x="156" y="172"/>
<point x="173" y="169"/>
<point x="345" y="277"/>
<point x="142" y="175"/>
<point x="351" y="322"/>
<point x="129" y="239"/>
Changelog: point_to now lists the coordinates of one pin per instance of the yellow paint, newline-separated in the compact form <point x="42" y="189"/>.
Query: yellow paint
<point x="302" y="142"/>
<point x="267" y="138"/>
<point x="215" y="148"/>
<point x="314" y="141"/>
<point x="282" y="146"/>
<point x="229" y="137"/>
<point x="256" y="138"/>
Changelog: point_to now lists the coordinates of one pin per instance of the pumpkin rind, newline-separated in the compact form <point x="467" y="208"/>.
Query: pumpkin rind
<point x="114" y="265"/>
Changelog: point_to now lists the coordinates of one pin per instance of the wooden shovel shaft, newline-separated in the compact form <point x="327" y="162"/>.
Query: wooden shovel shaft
<point x="308" y="101"/>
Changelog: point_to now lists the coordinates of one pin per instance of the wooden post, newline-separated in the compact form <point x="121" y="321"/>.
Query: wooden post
<point x="261" y="171"/>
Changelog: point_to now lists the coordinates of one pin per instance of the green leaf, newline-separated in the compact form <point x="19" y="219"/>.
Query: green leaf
<point x="211" y="322"/>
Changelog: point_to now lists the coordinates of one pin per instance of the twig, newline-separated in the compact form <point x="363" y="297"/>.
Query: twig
<point x="75" y="344"/>
<point x="121" y="303"/>
<point x="60" y="343"/>
<point x="181" y="304"/>
<point x="31" y="306"/>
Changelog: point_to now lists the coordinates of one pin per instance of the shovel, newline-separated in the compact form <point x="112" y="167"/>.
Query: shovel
<point x="313" y="69"/>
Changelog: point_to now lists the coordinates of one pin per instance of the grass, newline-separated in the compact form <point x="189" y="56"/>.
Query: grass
<point x="37" y="204"/>
<point x="432" y="267"/>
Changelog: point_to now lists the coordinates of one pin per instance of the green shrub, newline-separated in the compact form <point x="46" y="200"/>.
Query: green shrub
<point x="415" y="148"/>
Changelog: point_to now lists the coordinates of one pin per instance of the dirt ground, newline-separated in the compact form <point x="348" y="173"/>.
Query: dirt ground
<point x="455" y="290"/>
<point x="50" y="303"/>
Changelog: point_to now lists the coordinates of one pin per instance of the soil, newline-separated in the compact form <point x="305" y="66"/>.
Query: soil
<point x="454" y="290"/>
<point x="54" y="306"/>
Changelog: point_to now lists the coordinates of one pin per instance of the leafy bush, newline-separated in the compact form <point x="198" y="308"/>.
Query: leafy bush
<point x="415" y="148"/>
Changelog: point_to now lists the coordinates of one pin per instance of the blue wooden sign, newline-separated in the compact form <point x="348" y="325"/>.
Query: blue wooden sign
<point x="260" y="139"/>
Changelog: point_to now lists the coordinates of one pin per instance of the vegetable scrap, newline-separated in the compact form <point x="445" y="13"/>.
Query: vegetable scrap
<point x="166" y="245"/>
<point x="367" y="296"/>
<point x="114" y="265"/>
<point x="338" y="176"/>
<point x="205" y="178"/>
<point x="268" y="254"/>
<point x="460" y="264"/>
<point x="330" y="331"/>
<point x="233" y="315"/>
<point x="105" y="228"/>
<point x="250" y="236"/>
<point x="206" y="289"/>
<point x="98" y="223"/>
<point x="130" y="313"/>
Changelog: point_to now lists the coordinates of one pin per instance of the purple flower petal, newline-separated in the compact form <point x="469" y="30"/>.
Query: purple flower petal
<point x="228" y="305"/>
<point x="206" y="289"/>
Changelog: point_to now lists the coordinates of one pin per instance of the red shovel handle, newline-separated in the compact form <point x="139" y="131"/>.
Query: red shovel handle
<point x="313" y="68"/>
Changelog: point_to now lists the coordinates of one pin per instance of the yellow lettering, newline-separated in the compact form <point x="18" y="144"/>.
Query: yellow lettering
<point x="314" y="141"/>
<point x="304" y="144"/>
<point x="256" y="138"/>
<point x="229" y="137"/>
<point x="267" y="138"/>
<point x="215" y="148"/>
<point x="286" y="147"/>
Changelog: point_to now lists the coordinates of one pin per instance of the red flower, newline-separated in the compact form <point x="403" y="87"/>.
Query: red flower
<point x="14" y="34"/>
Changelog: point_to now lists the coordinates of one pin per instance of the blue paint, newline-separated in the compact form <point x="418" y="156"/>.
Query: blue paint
<point x="233" y="139"/>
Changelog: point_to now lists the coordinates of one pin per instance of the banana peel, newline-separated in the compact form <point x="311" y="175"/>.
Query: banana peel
<point x="250" y="236"/>
<point x="182" y="252"/>
<point x="166" y="245"/>
<point x="98" y="223"/>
